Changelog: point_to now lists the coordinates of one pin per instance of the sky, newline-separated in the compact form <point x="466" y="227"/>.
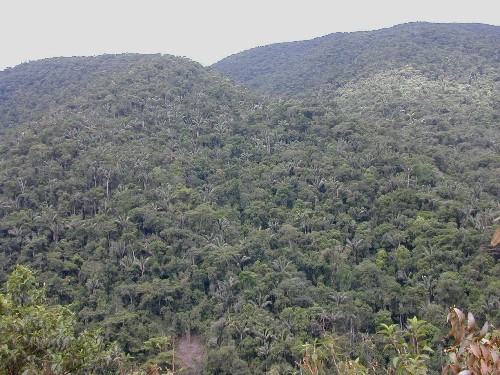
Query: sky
<point x="203" y="30"/>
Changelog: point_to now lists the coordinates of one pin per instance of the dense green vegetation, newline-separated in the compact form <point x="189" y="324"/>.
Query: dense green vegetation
<point x="40" y="339"/>
<point x="161" y="200"/>
<point x="459" y="53"/>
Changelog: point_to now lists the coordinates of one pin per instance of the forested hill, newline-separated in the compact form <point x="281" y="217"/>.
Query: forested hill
<point x="111" y="86"/>
<point x="161" y="199"/>
<point x="319" y="67"/>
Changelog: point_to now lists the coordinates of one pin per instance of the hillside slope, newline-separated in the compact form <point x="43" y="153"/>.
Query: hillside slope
<point x="441" y="52"/>
<point x="161" y="199"/>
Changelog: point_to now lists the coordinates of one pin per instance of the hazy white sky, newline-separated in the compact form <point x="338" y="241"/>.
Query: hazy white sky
<point x="203" y="30"/>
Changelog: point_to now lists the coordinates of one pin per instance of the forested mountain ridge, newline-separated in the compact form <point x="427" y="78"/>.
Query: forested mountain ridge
<point x="161" y="199"/>
<point x="319" y="67"/>
<point x="32" y="89"/>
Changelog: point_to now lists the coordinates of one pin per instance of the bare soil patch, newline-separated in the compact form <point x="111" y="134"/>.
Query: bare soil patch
<point x="189" y="351"/>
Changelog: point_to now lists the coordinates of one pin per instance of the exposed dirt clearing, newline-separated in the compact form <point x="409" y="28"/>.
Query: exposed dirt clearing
<point x="190" y="353"/>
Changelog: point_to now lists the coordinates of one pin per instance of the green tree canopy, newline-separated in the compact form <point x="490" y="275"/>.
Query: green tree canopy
<point x="41" y="339"/>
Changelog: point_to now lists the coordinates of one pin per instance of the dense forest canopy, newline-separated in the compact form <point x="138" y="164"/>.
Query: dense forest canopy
<point x="318" y="67"/>
<point x="160" y="199"/>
